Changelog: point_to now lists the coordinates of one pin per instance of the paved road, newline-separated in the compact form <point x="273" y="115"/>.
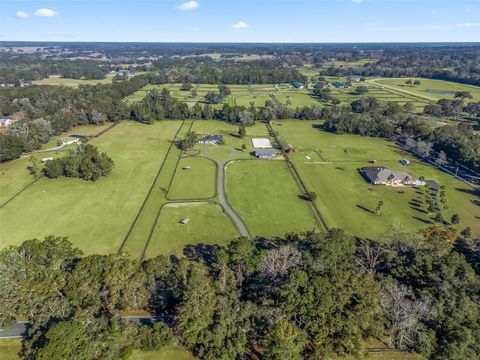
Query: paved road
<point x="20" y="328"/>
<point x="17" y="331"/>
<point x="242" y="228"/>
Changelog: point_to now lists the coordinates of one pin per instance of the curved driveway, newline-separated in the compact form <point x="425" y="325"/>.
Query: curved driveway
<point x="222" y="198"/>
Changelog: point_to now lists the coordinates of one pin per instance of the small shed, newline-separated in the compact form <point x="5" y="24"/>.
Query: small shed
<point x="184" y="221"/>
<point x="186" y="167"/>
<point x="44" y="160"/>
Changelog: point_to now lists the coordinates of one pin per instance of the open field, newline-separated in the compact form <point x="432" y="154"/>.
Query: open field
<point x="430" y="89"/>
<point x="347" y="201"/>
<point x="265" y="194"/>
<point x="194" y="179"/>
<point x="208" y="225"/>
<point x="177" y="353"/>
<point x="9" y="349"/>
<point x="57" y="80"/>
<point x="15" y="175"/>
<point x="95" y="216"/>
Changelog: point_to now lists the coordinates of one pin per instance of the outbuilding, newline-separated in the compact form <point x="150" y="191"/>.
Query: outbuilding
<point x="261" y="143"/>
<point x="265" y="153"/>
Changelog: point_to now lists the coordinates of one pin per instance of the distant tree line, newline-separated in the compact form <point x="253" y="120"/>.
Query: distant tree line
<point x="43" y="111"/>
<point x="451" y="63"/>
<point x="305" y="296"/>
<point x="368" y="117"/>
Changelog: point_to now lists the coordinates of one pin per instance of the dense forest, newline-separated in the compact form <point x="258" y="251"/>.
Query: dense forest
<point x="303" y="296"/>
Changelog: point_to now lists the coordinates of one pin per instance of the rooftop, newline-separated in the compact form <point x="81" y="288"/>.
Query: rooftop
<point x="380" y="174"/>
<point x="261" y="143"/>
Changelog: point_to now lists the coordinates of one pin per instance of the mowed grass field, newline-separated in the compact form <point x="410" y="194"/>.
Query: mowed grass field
<point x="208" y="225"/>
<point x="195" y="178"/>
<point x="9" y="349"/>
<point x="265" y="195"/>
<point x="94" y="215"/>
<point x="57" y="80"/>
<point x="431" y="89"/>
<point x="347" y="201"/>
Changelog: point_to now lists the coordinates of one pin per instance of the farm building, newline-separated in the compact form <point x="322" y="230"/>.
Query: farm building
<point x="261" y="143"/>
<point x="70" y="140"/>
<point x="383" y="176"/>
<point x="44" y="160"/>
<point x="297" y="85"/>
<point x="211" y="139"/>
<point x="338" y="85"/>
<point x="265" y="153"/>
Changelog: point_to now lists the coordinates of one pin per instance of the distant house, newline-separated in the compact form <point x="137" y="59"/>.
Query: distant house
<point x="70" y="140"/>
<point x="123" y="73"/>
<point x="211" y="139"/>
<point x="44" y="160"/>
<point x="290" y="149"/>
<point x="297" y="85"/>
<point x="184" y="221"/>
<point x="404" y="162"/>
<point x="261" y="143"/>
<point x="383" y="176"/>
<point x="338" y="85"/>
<point x="265" y="153"/>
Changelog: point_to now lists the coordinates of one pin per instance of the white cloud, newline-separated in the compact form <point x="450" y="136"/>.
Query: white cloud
<point x="189" y="5"/>
<point x="467" y="9"/>
<point x="467" y="25"/>
<point x="22" y="14"/>
<point x="356" y="1"/>
<point x="240" y="25"/>
<point x="45" y="12"/>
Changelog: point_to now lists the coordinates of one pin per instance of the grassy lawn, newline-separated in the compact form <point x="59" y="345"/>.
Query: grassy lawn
<point x="431" y="89"/>
<point x="265" y="195"/>
<point x="94" y="215"/>
<point x="197" y="182"/>
<point x="14" y="175"/>
<point x="208" y="225"/>
<point x="348" y="202"/>
<point x="56" y="80"/>
<point x="176" y="353"/>
<point x="9" y="349"/>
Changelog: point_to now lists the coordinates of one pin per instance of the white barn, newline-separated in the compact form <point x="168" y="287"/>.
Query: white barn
<point x="261" y="143"/>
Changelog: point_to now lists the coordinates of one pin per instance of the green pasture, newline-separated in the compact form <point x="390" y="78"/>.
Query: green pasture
<point x="265" y="195"/>
<point x="347" y="201"/>
<point x="149" y="211"/>
<point x="94" y="215"/>
<point x="208" y="225"/>
<point x="9" y="349"/>
<point x="195" y="178"/>
<point x="56" y="80"/>
<point x="428" y="88"/>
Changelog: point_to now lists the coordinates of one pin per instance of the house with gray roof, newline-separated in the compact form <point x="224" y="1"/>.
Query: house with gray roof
<point x="211" y="139"/>
<point x="383" y="176"/>
<point x="265" y="153"/>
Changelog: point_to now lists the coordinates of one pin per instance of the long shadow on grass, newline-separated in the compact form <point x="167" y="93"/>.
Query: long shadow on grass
<point x="365" y="209"/>
<point x="422" y="220"/>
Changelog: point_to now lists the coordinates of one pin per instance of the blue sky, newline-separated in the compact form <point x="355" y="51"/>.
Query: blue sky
<point x="241" y="20"/>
